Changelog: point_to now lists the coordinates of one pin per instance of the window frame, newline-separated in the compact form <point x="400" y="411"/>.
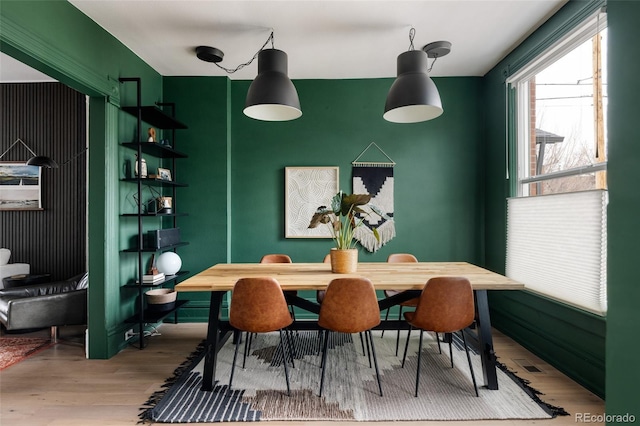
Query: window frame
<point x="517" y="83"/>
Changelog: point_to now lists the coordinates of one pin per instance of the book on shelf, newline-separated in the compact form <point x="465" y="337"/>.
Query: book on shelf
<point x="153" y="278"/>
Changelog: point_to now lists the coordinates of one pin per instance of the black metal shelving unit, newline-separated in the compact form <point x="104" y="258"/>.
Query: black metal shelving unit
<point x="156" y="117"/>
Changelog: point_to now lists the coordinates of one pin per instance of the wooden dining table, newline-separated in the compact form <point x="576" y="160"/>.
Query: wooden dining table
<point x="410" y="277"/>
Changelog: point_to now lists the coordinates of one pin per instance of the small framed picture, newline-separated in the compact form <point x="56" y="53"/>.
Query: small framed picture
<point x="164" y="174"/>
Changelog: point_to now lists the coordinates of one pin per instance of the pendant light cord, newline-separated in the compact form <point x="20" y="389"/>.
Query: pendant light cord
<point x="239" y="67"/>
<point x="435" y="58"/>
<point x="412" y="35"/>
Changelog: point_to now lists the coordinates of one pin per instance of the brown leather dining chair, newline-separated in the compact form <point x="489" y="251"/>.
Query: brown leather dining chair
<point x="339" y="314"/>
<point x="258" y="306"/>
<point x="271" y="258"/>
<point x="281" y="258"/>
<point x="400" y="258"/>
<point x="320" y="297"/>
<point x="276" y="258"/>
<point x="445" y="306"/>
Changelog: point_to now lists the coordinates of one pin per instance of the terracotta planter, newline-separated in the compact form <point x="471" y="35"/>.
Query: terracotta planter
<point x="344" y="261"/>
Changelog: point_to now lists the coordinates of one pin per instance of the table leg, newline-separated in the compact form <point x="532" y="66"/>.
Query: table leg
<point x="487" y="354"/>
<point x="211" y="344"/>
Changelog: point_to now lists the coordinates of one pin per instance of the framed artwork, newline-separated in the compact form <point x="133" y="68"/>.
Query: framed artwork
<point x="164" y="174"/>
<point x="306" y="189"/>
<point x="20" y="186"/>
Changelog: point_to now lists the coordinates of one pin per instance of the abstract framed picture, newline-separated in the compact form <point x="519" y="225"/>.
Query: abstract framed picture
<point x="306" y="189"/>
<point x="20" y="186"/>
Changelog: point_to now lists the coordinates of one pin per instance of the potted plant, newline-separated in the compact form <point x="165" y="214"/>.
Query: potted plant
<point x="343" y="217"/>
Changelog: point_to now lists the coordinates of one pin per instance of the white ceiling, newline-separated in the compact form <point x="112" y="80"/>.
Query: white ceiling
<point x="14" y="71"/>
<point x="323" y="39"/>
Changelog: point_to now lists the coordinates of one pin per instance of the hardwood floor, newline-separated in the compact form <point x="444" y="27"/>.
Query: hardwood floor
<point x="59" y="387"/>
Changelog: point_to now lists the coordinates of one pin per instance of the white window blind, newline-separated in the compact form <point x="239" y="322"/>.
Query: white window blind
<point x="557" y="246"/>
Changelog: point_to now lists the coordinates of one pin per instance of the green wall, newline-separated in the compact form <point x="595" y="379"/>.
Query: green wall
<point x="438" y="176"/>
<point x="623" y="374"/>
<point x="55" y="38"/>
<point x="202" y="104"/>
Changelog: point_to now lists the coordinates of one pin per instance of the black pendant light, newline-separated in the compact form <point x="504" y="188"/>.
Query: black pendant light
<point x="413" y="96"/>
<point x="272" y="96"/>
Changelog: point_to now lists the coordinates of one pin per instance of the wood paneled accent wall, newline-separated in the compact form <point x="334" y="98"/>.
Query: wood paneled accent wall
<point x="51" y="119"/>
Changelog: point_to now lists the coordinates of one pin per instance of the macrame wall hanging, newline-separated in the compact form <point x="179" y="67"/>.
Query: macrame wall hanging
<point x="375" y="178"/>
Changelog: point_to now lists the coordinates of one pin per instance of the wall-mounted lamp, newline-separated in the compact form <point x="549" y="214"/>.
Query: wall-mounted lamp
<point x="36" y="160"/>
<point x="271" y="96"/>
<point x="413" y="96"/>
<point x="41" y="160"/>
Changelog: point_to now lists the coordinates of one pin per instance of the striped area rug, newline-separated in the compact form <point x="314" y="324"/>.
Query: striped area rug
<point x="350" y="392"/>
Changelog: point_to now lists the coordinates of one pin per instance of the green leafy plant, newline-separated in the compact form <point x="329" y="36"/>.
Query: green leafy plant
<point x="344" y="216"/>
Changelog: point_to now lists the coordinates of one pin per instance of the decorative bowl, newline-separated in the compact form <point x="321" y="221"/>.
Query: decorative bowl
<point x="161" y="299"/>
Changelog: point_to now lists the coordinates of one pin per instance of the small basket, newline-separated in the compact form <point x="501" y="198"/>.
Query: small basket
<point x="161" y="299"/>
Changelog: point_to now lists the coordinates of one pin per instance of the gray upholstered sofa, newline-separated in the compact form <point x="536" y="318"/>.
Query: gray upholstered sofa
<point x="45" y="305"/>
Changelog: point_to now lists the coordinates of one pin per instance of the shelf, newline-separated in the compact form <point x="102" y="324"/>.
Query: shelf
<point x="155" y="214"/>
<point x="169" y="278"/>
<point x="153" y="250"/>
<point x="155" y="149"/>
<point x="155" y="116"/>
<point x="155" y="182"/>
<point x="153" y="316"/>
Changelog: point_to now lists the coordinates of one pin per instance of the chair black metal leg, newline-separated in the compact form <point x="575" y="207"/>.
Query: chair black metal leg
<point x="319" y="342"/>
<point x="235" y="355"/>
<point x="369" y="354"/>
<point x="451" y="349"/>
<point x="418" y="369"/>
<point x="473" y="376"/>
<point x="375" y="361"/>
<point x="406" y="346"/>
<point x="438" y="340"/>
<point x="324" y="359"/>
<point x="292" y="311"/>
<point x="291" y="346"/>
<point x="362" y="344"/>
<point x="284" y="361"/>
<point x="386" y="317"/>
<point x="398" y="333"/>
<point x="247" y="346"/>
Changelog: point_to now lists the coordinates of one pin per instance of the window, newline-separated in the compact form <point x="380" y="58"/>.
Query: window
<point x="556" y="225"/>
<point x="561" y="110"/>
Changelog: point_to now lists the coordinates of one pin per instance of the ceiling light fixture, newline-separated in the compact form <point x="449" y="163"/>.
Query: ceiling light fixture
<point x="413" y="96"/>
<point x="271" y="96"/>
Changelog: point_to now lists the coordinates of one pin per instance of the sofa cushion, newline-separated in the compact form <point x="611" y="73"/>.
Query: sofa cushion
<point x="5" y="255"/>
<point x="82" y="281"/>
<point x="78" y="282"/>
